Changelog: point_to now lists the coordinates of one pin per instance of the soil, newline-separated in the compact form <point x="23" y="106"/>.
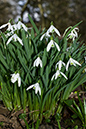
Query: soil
<point x="11" y="120"/>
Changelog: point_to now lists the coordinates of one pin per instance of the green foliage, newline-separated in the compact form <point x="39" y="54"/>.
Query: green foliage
<point x="16" y="58"/>
<point x="79" y="110"/>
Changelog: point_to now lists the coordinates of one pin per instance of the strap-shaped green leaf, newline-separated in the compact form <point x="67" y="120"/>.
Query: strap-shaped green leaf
<point x="33" y="24"/>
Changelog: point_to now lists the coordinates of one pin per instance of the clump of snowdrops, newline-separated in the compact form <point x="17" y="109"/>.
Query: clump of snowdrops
<point x="37" y="69"/>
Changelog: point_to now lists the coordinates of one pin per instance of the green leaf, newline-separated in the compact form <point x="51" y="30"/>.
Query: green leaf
<point x="33" y="24"/>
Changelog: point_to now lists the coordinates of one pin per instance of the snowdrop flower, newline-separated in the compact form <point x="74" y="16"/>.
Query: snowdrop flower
<point x="3" y="26"/>
<point x="50" y="30"/>
<point x="37" y="62"/>
<point x="60" y="63"/>
<point x="16" y="77"/>
<point x="10" y="27"/>
<point x="15" y="37"/>
<point x="14" y="27"/>
<point x="72" y="62"/>
<point x="53" y="29"/>
<point x="73" y="34"/>
<point x="36" y="87"/>
<point x="45" y="35"/>
<point x="20" y="24"/>
<point x="58" y="74"/>
<point x="52" y="44"/>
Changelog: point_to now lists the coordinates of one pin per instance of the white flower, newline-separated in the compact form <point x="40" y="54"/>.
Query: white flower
<point x="10" y="27"/>
<point x="20" y="24"/>
<point x="58" y="74"/>
<point x="15" y="37"/>
<point x="16" y="77"/>
<point x="45" y="35"/>
<point x="14" y="27"/>
<point x="72" y="62"/>
<point x="73" y="34"/>
<point x="60" y="63"/>
<point x="36" y="88"/>
<point x="3" y="26"/>
<point x="37" y="62"/>
<point x="53" y="29"/>
<point x="52" y="44"/>
<point x="50" y="30"/>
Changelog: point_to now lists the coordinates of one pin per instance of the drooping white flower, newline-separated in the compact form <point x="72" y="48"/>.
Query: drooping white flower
<point x="10" y="27"/>
<point x="72" y="62"/>
<point x="15" y="38"/>
<point x="60" y="63"/>
<point x="3" y="26"/>
<point x="52" y="44"/>
<point x="50" y="30"/>
<point x="58" y="74"/>
<point x="53" y="29"/>
<point x="14" y="27"/>
<point x="37" y="62"/>
<point x="20" y="24"/>
<point x="45" y="35"/>
<point x="16" y="77"/>
<point x="73" y="34"/>
<point x="36" y="87"/>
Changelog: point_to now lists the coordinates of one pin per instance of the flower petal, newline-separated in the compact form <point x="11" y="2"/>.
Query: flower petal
<point x="50" y="44"/>
<point x="3" y="26"/>
<point x="57" y="46"/>
<point x="9" y="40"/>
<point x="30" y="87"/>
<point x="63" y="75"/>
<point x="67" y="65"/>
<point x="19" y="81"/>
<point x="20" y="41"/>
<point x="76" y="62"/>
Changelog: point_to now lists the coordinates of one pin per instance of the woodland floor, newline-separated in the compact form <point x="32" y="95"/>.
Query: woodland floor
<point x="11" y="120"/>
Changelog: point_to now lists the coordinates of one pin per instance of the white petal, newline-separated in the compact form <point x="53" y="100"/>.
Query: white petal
<point x="50" y="44"/>
<point x="67" y="65"/>
<point x="64" y="75"/>
<point x="3" y="26"/>
<point x="34" y="64"/>
<point x="60" y="65"/>
<point x="63" y="63"/>
<point x="24" y="27"/>
<point x="42" y="36"/>
<point x="30" y="87"/>
<point x="20" y="41"/>
<point x="76" y="62"/>
<point x="9" y="40"/>
<point x="57" y="46"/>
<point x="58" y="33"/>
<point x="57" y="74"/>
<point x="19" y="81"/>
<point x="40" y="63"/>
<point x="52" y="77"/>
<point x="39" y="91"/>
